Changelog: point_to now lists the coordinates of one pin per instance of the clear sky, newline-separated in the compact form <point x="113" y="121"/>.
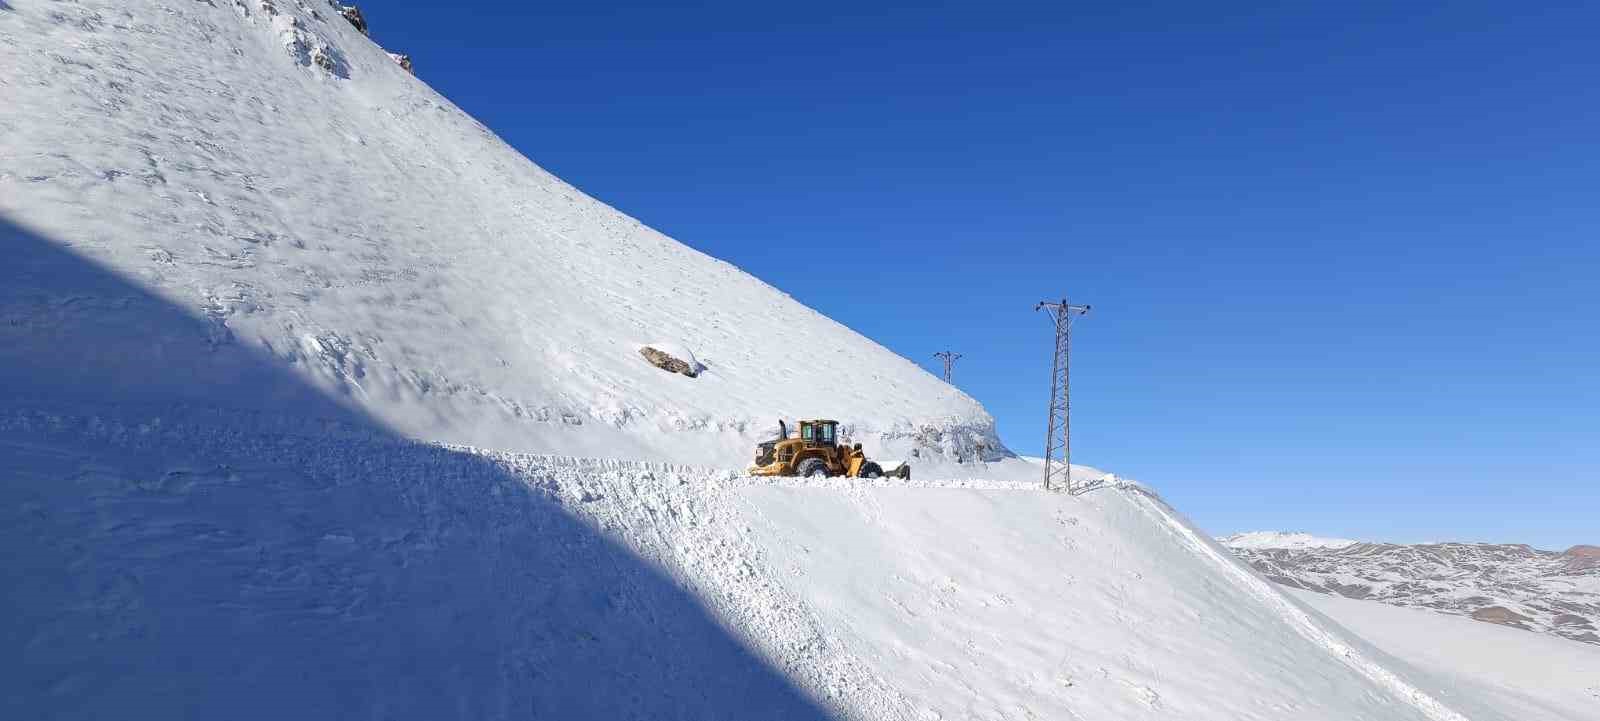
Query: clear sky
<point x="1342" y="258"/>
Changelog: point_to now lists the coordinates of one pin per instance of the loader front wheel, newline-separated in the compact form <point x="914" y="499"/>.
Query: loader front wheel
<point x="871" y="470"/>
<point x="812" y="468"/>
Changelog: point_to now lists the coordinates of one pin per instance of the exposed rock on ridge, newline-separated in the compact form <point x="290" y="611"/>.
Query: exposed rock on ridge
<point x="1508" y="584"/>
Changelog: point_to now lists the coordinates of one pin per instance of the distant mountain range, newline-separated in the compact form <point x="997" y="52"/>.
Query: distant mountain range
<point x="1554" y="592"/>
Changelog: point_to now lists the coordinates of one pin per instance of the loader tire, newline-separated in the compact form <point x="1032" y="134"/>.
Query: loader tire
<point x="871" y="470"/>
<point x="812" y="468"/>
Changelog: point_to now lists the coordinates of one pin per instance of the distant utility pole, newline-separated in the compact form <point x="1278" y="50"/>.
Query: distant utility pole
<point x="1058" y="437"/>
<point x="949" y="359"/>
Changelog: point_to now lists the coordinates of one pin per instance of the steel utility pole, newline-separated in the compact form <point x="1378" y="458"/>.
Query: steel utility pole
<point x="949" y="359"/>
<point x="1058" y="436"/>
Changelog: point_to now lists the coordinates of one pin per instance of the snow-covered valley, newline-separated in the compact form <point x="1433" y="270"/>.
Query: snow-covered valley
<point x="1524" y="675"/>
<point x="319" y="401"/>
<point x="1554" y="592"/>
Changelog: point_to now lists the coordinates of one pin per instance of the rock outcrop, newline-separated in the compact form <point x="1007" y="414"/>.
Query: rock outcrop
<point x="1501" y="615"/>
<point x="667" y="361"/>
<point x="358" y="20"/>
<point x="404" y="61"/>
<point x="353" y="14"/>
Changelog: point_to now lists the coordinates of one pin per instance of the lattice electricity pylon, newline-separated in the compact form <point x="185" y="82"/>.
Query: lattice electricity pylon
<point x="1058" y="435"/>
<point x="949" y="359"/>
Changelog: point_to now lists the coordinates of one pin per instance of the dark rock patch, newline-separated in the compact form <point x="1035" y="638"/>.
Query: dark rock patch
<point x="669" y="363"/>
<point x="1501" y="615"/>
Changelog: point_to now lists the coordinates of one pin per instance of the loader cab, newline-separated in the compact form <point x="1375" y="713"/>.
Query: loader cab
<point x="819" y="432"/>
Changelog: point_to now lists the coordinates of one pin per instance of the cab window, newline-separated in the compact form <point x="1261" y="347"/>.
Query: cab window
<point x="806" y="431"/>
<point x="827" y="435"/>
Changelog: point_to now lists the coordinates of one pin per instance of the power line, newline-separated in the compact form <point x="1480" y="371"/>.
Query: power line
<point x="1058" y="434"/>
<point x="949" y="358"/>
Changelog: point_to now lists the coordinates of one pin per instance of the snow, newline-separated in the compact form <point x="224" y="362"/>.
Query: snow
<point x="1279" y="539"/>
<point x="295" y="363"/>
<point x="264" y="166"/>
<point x="1544" y="589"/>
<point x="194" y="568"/>
<point x="201" y="570"/>
<point x="1528" y="675"/>
<point x="1027" y="604"/>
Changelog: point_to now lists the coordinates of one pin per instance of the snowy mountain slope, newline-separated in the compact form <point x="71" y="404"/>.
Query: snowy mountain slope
<point x="1015" y="603"/>
<point x="1508" y="584"/>
<point x="197" y="570"/>
<point x="201" y="561"/>
<point x="1531" y="676"/>
<point x="264" y="166"/>
<point x="1278" y="539"/>
<point x="249" y="263"/>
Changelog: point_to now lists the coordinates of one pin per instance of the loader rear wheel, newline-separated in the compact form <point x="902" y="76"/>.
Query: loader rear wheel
<point x="812" y="468"/>
<point x="871" y="470"/>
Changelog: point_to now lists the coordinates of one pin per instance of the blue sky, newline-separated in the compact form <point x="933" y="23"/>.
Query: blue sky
<point x="1342" y="258"/>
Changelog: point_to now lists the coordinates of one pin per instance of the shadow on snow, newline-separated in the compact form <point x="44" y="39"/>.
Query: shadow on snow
<point x="192" y="531"/>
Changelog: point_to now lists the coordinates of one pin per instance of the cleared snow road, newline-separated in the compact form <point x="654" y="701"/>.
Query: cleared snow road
<point x="184" y="568"/>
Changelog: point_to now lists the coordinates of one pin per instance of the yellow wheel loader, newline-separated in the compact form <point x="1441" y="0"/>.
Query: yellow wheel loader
<point x="817" y="453"/>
